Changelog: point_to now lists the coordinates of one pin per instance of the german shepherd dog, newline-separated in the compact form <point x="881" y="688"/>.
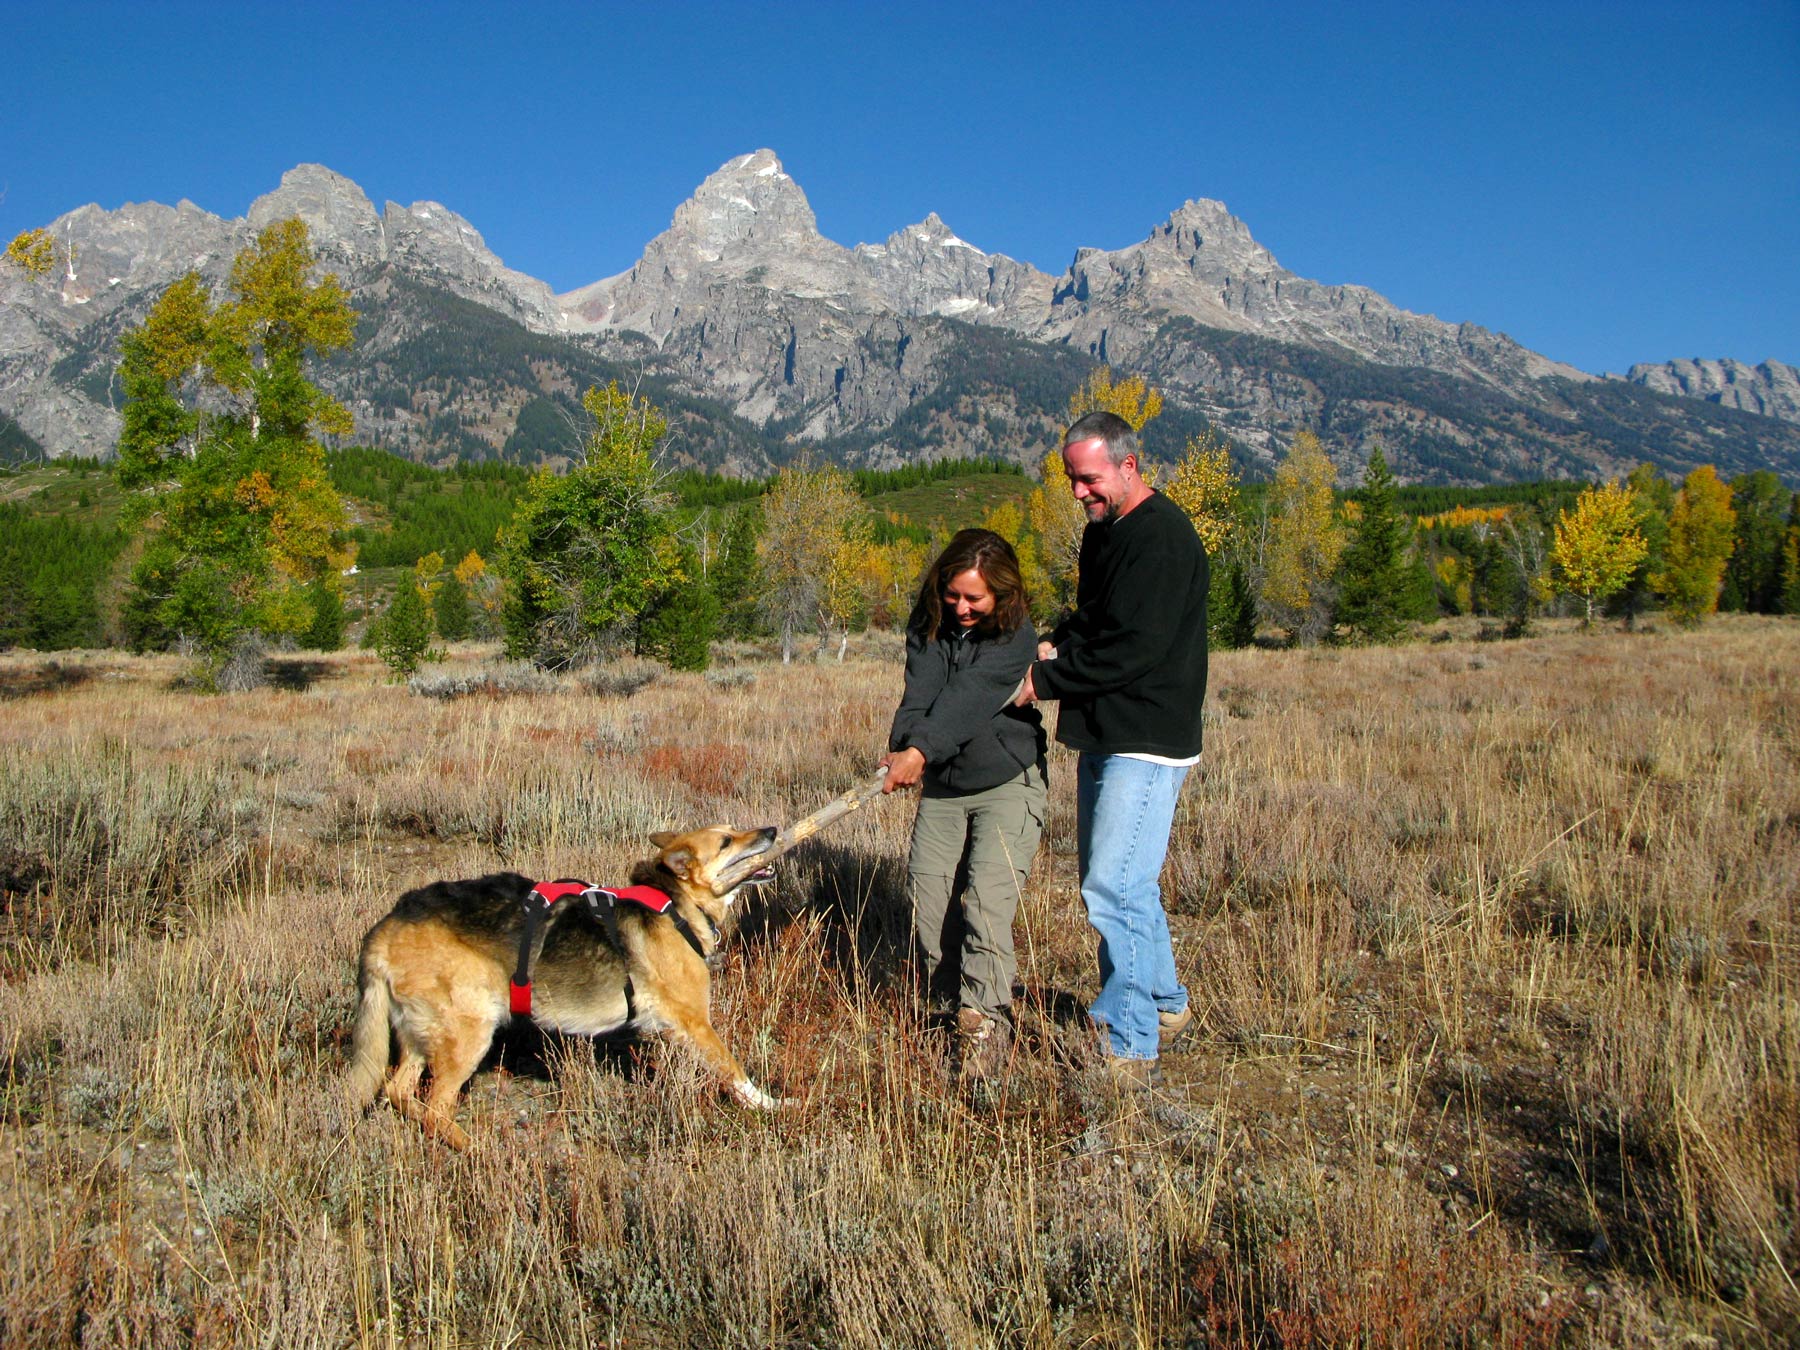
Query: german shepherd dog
<point x="437" y="971"/>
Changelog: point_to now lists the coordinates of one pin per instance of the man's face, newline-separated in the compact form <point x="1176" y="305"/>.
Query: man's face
<point x="1098" y="484"/>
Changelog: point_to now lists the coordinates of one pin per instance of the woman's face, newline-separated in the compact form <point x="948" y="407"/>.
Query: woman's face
<point x="967" y="598"/>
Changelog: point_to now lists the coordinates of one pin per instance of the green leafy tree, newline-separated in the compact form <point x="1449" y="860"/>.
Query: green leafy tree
<point x="1372" y="574"/>
<point x="220" y="442"/>
<point x="1654" y="497"/>
<point x="586" y="552"/>
<point x="1697" y="546"/>
<point x="1598" y="544"/>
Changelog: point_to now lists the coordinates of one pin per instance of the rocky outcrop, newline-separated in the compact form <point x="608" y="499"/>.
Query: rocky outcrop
<point x="926" y="269"/>
<point x="1769" y="390"/>
<point x="1203" y="264"/>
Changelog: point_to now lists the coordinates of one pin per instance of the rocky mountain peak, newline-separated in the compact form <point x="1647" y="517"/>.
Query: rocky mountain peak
<point x="749" y="201"/>
<point x="747" y="224"/>
<point x="1207" y="228"/>
<point x="340" y="215"/>
<point x="926" y="269"/>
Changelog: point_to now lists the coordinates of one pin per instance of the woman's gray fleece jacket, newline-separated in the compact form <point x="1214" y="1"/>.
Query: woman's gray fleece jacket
<point x="957" y="711"/>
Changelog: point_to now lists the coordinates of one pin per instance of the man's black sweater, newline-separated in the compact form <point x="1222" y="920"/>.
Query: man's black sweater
<point x="1130" y="664"/>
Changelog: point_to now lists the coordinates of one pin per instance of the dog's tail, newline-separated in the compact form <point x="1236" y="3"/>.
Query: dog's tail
<point x="369" y="1041"/>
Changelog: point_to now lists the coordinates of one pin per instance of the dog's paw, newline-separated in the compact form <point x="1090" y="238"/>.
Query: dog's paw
<point x="752" y="1096"/>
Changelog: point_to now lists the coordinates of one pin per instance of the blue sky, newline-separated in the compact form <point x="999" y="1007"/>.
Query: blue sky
<point x="1607" y="183"/>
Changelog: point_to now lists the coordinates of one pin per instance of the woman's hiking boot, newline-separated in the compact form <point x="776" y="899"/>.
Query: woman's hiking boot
<point x="983" y="1043"/>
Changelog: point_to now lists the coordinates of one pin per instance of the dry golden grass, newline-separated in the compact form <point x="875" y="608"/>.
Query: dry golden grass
<point x="1495" y="947"/>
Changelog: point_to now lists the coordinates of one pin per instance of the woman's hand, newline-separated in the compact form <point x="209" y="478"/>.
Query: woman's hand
<point x="904" y="769"/>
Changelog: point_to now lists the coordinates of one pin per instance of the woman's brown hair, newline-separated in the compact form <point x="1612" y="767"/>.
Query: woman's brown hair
<point x="982" y="551"/>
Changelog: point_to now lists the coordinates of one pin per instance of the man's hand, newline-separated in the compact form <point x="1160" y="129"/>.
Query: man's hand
<point x="1027" y="695"/>
<point x="904" y="769"/>
<point x="1046" y="651"/>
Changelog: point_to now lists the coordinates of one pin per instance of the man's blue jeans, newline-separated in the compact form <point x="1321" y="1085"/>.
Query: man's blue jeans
<point x="1124" y="809"/>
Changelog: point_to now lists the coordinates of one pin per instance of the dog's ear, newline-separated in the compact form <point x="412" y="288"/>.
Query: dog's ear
<point x="680" y="862"/>
<point x="663" y="838"/>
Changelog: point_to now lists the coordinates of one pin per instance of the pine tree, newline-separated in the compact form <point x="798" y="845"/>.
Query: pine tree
<point x="326" y="633"/>
<point x="1655" y="500"/>
<point x="1753" y="574"/>
<point x="1372" y="574"/>
<point x="450" y="606"/>
<point x="1231" y="605"/>
<point x="1790" y="561"/>
<point x="735" y="580"/>
<point x="679" y="626"/>
<point x="404" y="638"/>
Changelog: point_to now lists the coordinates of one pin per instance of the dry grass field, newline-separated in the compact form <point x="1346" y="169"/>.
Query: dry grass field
<point x="1495" y="946"/>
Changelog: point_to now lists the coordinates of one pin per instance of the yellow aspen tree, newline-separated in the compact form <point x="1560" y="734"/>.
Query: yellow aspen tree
<point x="1009" y="520"/>
<point x="1132" y="398"/>
<point x="1056" y="517"/>
<point x="814" y="526"/>
<point x="1305" y="539"/>
<point x="484" y="589"/>
<point x="1598" y="543"/>
<point x="1058" y="520"/>
<point x="1454" y="576"/>
<point x="33" y="252"/>
<point x="848" y="569"/>
<point x="1699" y="545"/>
<point x="428" y="575"/>
<point x="894" y="570"/>
<point x="1205" y="485"/>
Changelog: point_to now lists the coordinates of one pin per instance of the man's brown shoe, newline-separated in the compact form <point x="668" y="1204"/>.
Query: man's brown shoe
<point x="1172" y="1026"/>
<point x="1131" y="1075"/>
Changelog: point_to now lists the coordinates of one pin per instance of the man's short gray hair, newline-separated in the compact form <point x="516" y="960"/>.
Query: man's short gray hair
<point x="1108" y="427"/>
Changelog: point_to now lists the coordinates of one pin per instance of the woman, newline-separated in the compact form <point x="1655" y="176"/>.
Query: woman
<point x="981" y="761"/>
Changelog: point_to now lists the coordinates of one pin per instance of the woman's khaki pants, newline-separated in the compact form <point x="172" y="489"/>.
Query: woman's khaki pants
<point x="971" y="852"/>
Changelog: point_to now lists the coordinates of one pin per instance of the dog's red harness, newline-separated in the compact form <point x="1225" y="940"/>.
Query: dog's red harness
<point x="600" y="899"/>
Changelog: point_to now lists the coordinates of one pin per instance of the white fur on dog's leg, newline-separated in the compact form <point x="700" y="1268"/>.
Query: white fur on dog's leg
<point x="751" y="1095"/>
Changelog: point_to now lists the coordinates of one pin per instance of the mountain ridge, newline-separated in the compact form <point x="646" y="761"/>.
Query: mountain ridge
<point x="875" y="350"/>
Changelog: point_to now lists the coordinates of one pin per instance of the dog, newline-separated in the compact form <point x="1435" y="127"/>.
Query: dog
<point x="437" y="972"/>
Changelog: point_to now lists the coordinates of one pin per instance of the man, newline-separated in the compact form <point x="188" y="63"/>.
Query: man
<point x="1129" y="667"/>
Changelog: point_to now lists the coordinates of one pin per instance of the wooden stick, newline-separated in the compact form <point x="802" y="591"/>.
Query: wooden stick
<point x="804" y="828"/>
